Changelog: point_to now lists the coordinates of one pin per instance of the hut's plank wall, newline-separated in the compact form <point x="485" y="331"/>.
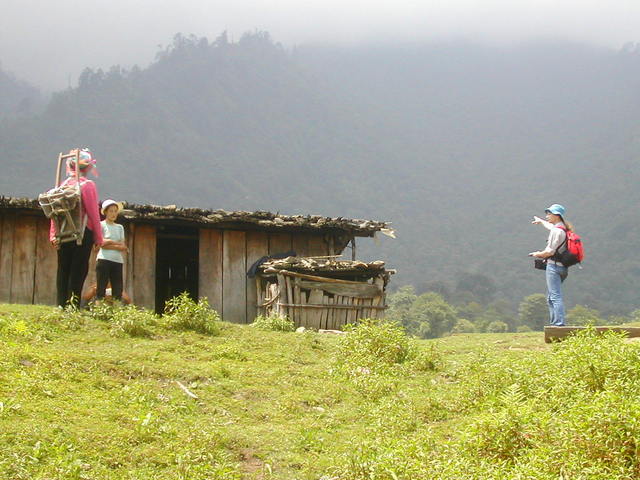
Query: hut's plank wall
<point x="144" y="266"/>
<point x="279" y="243"/>
<point x="6" y="257"/>
<point x="300" y="244"/>
<point x="28" y="263"/>
<point x="46" y="266"/>
<point x="234" y="283"/>
<point x="210" y="272"/>
<point x="257" y="247"/>
<point x="317" y="246"/>
<point x="24" y="260"/>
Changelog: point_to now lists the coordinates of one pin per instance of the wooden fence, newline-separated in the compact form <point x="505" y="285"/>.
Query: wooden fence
<point x="319" y="302"/>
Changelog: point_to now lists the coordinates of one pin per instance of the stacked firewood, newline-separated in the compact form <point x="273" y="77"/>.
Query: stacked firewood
<point x="319" y="264"/>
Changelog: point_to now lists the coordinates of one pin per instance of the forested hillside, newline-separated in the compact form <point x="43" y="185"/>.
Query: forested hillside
<point x="17" y="98"/>
<point x="457" y="145"/>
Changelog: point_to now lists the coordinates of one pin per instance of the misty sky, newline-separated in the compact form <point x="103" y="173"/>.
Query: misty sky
<point x="48" y="43"/>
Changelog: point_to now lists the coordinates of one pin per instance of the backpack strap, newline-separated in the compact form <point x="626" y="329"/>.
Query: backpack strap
<point x="554" y="257"/>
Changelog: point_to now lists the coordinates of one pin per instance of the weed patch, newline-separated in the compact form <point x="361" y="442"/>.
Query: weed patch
<point x="275" y="323"/>
<point x="182" y="313"/>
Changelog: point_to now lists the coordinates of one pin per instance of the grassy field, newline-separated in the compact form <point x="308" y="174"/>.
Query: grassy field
<point x="80" y="399"/>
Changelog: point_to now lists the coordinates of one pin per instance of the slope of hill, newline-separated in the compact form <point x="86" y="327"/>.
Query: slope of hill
<point x="81" y="399"/>
<point x="457" y="145"/>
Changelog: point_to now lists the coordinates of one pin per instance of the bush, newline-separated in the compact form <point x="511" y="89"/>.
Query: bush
<point x="133" y="321"/>
<point x="373" y="344"/>
<point x="428" y="359"/>
<point x="273" y="322"/>
<point x="182" y="313"/>
<point x="497" y="327"/>
<point x="464" y="326"/>
<point x="103" y="311"/>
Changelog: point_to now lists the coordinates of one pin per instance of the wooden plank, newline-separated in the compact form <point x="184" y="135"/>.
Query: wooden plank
<point x="127" y="270"/>
<point x="234" y="281"/>
<point x="257" y="247"/>
<point x="303" y="318"/>
<point x="552" y="333"/>
<point x="260" y="295"/>
<point x="343" y="315"/>
<point x="331" y="317"/>
<point x="6" y="257"/>
<point x="144" y="266"/>
<point x="296" y="299"/>
<point x="326" y="312"/>
<point x="317" y="246"/>
<point x="46" y="266"/>
<point x="314" y="315"/>
<point x="24" y="260"/>
<point x="362" y="290"/>
<point x="351" y="314"/>
<point x="279" y="243"/>
<point x="282" y="296"/>
<point x="127" y="280"/>
<point x="315" y="278"/>
<point x="210" y="277"/>
<point x="300" y="244"/>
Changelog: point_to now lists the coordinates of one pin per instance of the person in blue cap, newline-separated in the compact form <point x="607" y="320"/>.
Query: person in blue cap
<point x="556" y="272"/>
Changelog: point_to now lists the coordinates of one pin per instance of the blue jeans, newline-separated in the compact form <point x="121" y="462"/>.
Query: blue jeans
<point x="555" y="276"/>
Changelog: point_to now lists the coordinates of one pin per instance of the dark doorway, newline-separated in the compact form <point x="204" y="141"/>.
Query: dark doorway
<point x="176" y="263"/>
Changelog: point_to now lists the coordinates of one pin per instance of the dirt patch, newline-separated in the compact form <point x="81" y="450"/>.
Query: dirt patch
<point x="251" y="466"/>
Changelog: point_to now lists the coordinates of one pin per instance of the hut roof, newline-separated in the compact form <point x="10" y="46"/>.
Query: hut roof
<point x="260" y="220"/>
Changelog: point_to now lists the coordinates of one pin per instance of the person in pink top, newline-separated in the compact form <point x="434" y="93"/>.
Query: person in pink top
<point x="73" y="259"/>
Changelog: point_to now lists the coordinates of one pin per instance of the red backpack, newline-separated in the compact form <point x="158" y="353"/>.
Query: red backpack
<point x="574" y="252"/>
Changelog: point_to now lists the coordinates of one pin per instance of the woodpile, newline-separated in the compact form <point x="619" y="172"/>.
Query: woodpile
<point x="314" y="293"/>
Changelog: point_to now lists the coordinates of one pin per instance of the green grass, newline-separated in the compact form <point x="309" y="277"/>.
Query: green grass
<point x="80" y="402"/>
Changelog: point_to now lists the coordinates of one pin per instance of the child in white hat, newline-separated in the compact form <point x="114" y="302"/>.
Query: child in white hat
<point x="110" y="258"/>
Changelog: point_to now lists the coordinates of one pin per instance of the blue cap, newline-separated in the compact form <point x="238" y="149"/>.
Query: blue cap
<point x="556" y="209"/>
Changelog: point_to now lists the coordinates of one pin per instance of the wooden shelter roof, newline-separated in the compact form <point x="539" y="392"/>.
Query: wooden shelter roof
<point x="329" y="266"/>
<point x="260" y="220"/>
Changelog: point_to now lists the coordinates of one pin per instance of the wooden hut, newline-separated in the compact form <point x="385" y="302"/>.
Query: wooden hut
<point x="171" y="249"/>
<point x="322" y="293"/>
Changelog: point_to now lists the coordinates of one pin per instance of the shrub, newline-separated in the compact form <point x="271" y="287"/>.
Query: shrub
<point x="69" y="318"/>
<point x="428" y="359"/>
<point x="371" y="344"/>
<point x="182" y="313"/>
<point x="103" y="311"/>
<point x="497" y="327"/>
<point x="136" y="322"/>
<point x="464" y="326"/>
<point x="274" y="322"/>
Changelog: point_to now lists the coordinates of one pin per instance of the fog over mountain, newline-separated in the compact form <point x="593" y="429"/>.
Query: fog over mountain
<point x="458" y="144"/>
<point x="50" y="43"/>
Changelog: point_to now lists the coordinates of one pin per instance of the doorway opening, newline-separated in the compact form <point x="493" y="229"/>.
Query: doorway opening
<point x="176" y="263"/>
